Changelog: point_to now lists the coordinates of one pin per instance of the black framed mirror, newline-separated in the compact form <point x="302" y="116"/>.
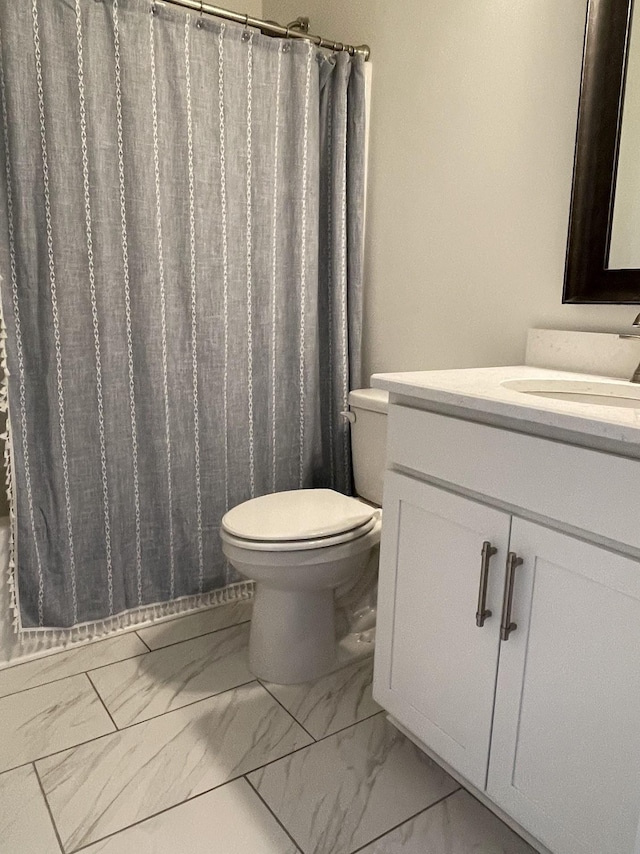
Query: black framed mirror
<point x="603" y="248"/>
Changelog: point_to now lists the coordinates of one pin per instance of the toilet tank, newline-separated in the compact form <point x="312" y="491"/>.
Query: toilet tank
<point x="368" y="411"/>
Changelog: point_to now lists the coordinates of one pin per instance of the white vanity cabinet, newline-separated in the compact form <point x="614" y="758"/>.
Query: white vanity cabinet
<point x="542" y="718"/>
<point x="565" y="753"/>
<point x="435" y="669"/>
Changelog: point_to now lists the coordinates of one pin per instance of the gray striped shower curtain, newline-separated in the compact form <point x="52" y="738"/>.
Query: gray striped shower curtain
<point x="181" y="259"/>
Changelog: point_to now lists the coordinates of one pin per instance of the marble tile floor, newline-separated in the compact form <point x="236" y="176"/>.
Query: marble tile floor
<point x="162" y="742"/>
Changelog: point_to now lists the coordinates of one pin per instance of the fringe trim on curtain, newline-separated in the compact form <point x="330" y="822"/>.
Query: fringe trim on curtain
<point x="98" y="628"/>
<point x="7" y="437"/>
<point x="130" y="619"/>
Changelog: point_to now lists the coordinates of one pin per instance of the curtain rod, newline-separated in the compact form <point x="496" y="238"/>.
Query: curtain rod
<point x="270" y="28"/>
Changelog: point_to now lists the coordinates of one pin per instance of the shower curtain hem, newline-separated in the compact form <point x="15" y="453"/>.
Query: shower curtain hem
<point x="137" y="617"/>
<point x="130" y="619"/>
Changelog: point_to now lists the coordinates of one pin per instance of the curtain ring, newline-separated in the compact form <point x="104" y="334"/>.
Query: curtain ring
<point x="246" y="35"/>
<point x="199" y="22"/>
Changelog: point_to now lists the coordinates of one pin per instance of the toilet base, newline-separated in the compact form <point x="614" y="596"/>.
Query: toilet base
<point x="292" y="634"/>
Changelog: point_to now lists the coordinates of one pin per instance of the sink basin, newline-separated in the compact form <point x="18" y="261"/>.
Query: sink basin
<point x="618" y="394"/>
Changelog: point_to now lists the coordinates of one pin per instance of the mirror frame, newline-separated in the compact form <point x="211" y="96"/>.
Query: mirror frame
<point x="587" y="279"/>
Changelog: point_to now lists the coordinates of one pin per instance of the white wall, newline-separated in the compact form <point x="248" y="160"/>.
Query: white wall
<point x="248" y="7"/>
<point x="472" y="137"/>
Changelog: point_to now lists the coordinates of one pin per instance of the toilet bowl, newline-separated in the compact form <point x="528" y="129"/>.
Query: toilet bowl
<point x="301" y="545"/>
<point x="298" y="547"/>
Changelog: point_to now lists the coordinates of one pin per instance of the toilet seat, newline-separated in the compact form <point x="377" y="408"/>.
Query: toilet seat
<point x="301" y="545"/>
<point x="298" y="519"/>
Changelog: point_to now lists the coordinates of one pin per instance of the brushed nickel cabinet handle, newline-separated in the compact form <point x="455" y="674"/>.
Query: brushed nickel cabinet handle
<point x="482" y="613"/>
<point x="506" y="626"/>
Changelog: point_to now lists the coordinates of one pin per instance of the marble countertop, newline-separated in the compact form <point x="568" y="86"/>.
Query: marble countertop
<point x="478" y="394"/>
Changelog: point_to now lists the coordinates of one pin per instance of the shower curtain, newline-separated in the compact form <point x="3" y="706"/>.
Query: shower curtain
<point x="181" y="255"/>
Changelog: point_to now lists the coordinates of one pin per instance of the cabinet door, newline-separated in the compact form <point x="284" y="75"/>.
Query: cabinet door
<point x="435" y="669"/>
<point x="565" y="753"/>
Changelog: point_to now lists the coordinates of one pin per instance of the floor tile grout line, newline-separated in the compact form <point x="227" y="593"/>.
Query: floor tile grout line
<point x="156" y="814"/>
<point x="168" y="646"/>
<point x="195" y="637"/>
<point x="258" y="767"/>
<point x="121" y="729"/>
<point x="188" y="705"/>
<point x="122" y="661"/>
<point x="329" y="734"/>
<point x="271" y="812"/>
<point x="17" y="665"/>
<point x="153" y="717"/>
<point x="141" y="639"/>
<point x="245" y="776"/>
<point x="46" y="801"/>
<point x="402" y="823"/>
<point x="56" y="752"/>
<point x="348" y="726"/>
<point x="141" y="655"/>
<point x="209" y="697"/>
<point x="327" y="675"/>
<point x="70" y="675"/>
<point x="104" y="705"/>
<point x="290" y="713"/>
<point x="253" y="788"/>
<point x="162" y="811"/>
<point x="48" y="654"/>
<point x="220" y="785"/>
<point x="226" y="782"/>
<point x="91" y="643"/>
<point x="308" y="746"/>
<point x="176" y="806"/>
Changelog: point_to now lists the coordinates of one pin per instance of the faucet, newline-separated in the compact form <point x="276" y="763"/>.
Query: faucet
<point x="636" y="374"/>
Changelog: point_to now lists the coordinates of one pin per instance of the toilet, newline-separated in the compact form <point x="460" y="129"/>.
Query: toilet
<point x="301" y="545"/>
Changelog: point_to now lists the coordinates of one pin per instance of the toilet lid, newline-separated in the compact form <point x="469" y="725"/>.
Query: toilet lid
<point x="300" y="514"/>
<point x="300" y="545"/>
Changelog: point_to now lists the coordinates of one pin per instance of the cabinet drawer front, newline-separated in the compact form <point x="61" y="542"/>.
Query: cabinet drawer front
<point x="435" y="668"/>
<point x="589" y="490"/>
<point x="565" y="753"/>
